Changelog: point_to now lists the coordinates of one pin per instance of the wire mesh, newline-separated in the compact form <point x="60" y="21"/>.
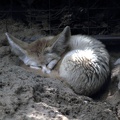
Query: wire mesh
<point x="83" y="16"/>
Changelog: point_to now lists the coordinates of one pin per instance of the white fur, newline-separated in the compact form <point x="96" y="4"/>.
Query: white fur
<point x="52" y="64"/>
<point x="45" y="70"/>
<point x="86" y="66"/>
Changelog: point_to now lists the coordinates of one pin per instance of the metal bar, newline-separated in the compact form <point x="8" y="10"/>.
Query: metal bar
<point x="108" y="39"/>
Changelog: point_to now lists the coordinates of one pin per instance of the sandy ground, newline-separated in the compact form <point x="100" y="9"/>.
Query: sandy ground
<point x="28" y="96"/>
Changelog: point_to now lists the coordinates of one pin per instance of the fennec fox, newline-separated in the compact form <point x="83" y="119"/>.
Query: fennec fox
<point x="81" y="61"/>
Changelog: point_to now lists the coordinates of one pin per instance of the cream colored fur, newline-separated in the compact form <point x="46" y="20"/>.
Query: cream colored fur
<point x="81" y="61"/>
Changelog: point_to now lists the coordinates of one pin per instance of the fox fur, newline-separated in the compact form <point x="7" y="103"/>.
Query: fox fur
<point x="80" y="60"/>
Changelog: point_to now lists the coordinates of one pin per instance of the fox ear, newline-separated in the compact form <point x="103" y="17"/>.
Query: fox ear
<point x="61" y="43"/>
<point x="17" y="46"/>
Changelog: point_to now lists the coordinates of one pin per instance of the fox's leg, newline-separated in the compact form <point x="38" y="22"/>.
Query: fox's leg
<point x="47" y="69"/>
<point x="52" y="64"/>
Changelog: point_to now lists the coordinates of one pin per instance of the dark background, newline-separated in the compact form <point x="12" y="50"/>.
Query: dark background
<point x="93" y="17"/>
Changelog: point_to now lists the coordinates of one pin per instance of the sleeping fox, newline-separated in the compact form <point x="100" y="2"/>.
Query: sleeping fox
<point x="81" y="61"/>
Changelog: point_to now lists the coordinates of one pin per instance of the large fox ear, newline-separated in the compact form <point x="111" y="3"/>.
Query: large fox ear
<point x="61" y="43"/>
<point x="17" y="46"/>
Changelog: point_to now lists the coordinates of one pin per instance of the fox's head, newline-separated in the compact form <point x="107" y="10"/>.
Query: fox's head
<point x="41" y="54"/>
